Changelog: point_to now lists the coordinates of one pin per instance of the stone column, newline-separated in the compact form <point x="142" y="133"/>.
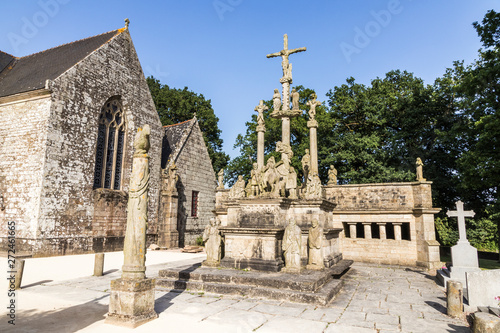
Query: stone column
<point x="99" y="264"/>
<point x="285" y="130"/>
<point x="382" y="231"/>
<point x="168" y="236"/>
<point x="368" y="230"/>
<point x="397" y="230"/>
<point x="313" y="145"/>
<point x="132" y="297"/>
<point x="352" y="229"/>
<point x="261" y="129"/>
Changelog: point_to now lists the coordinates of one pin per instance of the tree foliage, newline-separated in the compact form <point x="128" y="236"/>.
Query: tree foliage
<point x="178" y="105"/>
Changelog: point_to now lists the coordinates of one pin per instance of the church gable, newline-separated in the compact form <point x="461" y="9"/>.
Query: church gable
<point x="184" y="145"/>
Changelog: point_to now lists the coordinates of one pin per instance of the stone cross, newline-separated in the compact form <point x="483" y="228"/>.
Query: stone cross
<point x="461" y="215"/>
<point x="287" y="69"/>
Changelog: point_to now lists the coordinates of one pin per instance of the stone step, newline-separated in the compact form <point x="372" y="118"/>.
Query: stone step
<point x="322" y="297"/>
<point x="341" y="267"/>
<point x="307" y="280"/>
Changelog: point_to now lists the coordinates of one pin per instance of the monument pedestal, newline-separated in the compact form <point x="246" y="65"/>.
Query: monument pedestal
<point x="132" y="302"/>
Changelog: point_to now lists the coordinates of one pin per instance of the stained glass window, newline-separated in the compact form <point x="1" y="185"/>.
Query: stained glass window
<point x="110" y="145"/>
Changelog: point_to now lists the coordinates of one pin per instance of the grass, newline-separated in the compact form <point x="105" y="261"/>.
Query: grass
<point x="483" y="263"/>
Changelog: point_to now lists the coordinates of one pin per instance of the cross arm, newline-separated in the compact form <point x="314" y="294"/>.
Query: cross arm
<point x="275" y="54"/>
<point x="300" y="49"/>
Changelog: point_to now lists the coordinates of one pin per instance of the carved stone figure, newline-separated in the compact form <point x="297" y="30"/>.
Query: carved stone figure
<point x="287" y="67"/>
<point x="313" y="188"/>
<point x="332" y="176"/>
<point x="255" y="176"/>
<point x="292" y="243"/>
<point x="270" y="177"/>
<point x="260" y="109"/>
<point x="172" y="178"/>
<point x="276" y="100"/>
<point x="315" y="243"/>
<point x="238" y="189"/>
<point x="213" y="242"/>
<point x="291" y="183"/>
<point x="295" y="99"/>
<point x="420" y="173"/>
<point x="312" y="106"/>
<point x="134" y="247"/>
<point x="221" y="179"/>
<point x="306" y="164"/>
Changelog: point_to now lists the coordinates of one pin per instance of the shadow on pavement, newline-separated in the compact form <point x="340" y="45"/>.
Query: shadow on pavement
<point x="36" y="284"/>
<point x="70" y="319"/>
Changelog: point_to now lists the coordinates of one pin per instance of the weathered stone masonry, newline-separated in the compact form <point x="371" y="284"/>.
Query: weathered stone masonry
<point x="64" y="213"/>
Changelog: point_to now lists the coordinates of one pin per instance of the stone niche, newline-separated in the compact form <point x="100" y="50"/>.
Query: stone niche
<point x="254" y="228"/>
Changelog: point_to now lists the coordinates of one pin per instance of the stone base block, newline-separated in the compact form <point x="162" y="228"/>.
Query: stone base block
<point x="315" y="267"/>
<point x="274" y="265"/>
<point x="207" y="263"/>
<point x="132" y="302"/>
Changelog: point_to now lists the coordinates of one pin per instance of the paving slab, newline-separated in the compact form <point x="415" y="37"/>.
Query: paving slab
<point x="374" y="298"/>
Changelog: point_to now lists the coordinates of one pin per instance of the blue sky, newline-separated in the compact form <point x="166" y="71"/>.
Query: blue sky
<point x="218" y="47"/>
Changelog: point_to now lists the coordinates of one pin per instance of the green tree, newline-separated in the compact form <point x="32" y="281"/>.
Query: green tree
<point x="478" y="98"/>
<point x="178" y="105"/>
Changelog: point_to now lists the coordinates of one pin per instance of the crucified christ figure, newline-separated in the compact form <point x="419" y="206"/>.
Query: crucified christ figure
<point x="287" y="67"/>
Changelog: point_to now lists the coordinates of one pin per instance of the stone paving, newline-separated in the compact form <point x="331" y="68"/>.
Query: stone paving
<point x="375" y="298"/>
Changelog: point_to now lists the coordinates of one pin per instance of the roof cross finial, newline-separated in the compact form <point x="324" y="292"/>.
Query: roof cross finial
<point x="127" y="22"/>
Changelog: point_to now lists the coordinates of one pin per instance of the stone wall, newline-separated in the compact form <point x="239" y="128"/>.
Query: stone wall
<point x="73" y="217"/>
<point x="391" y="223"/>
<point x="23" y="136"/>
<point x="195" y="174"/>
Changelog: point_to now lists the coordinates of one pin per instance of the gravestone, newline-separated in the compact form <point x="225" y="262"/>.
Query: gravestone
<point x="483" y="287"/>
<point x="463" y="255"/>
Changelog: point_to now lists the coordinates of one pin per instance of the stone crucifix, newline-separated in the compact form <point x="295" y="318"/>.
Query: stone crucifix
<point x="286" y="81"/>
<point x="461" y="215"/>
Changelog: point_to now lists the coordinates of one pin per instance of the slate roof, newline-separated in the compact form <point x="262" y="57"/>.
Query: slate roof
<point x="30" y="72"/>
<point x="173" y="140"/>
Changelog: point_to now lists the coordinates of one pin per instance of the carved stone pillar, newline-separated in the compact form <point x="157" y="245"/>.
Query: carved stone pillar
<point x="368" y="230"/>
<point x="168" y="236"/>
<point x="397" y="230"/>
<point x="382" y="231"/>
<point x="285" y="130"/>
<point x="260" y="145"/>
<point x="313" y="142"/>
<point x="352" y="229"/>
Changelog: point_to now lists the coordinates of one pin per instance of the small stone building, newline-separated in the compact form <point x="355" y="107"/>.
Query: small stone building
<point x="186" y="211"/>
<point x="68" y="117"/>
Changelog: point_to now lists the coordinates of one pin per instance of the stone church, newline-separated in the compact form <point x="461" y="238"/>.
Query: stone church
<point x="68" y="117"/>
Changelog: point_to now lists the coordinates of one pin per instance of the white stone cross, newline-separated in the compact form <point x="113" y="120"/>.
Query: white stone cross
<point x="461" y="215"/>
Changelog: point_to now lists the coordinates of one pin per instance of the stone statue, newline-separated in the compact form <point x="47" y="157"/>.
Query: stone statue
<point x="276" y="100"/>
<point x="255" y="176"/>
<point x="238" y="189"/>
<point x="292" y="243"/>
<point x="313" y="189"/>
<point x="172" y="179"/>
<point x="315" y="243"/>
<point x="260" y="109"/>
<point x="312" y="106"/>
<point x="141" y="142"/>
<point x="295" y="99"/>
<point x="270" y="177"/>
<point x="306" y="164"/>
<point x="134" y="247"/>
<point x="420" y="174"/>
<point x="213" y="242"/>
<point x="332" y="176"/>
<point x="221" y="179"/>
<point x="291" y="183"/>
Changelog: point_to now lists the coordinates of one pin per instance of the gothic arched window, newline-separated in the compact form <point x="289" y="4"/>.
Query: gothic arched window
<point x="110" y="144"/>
